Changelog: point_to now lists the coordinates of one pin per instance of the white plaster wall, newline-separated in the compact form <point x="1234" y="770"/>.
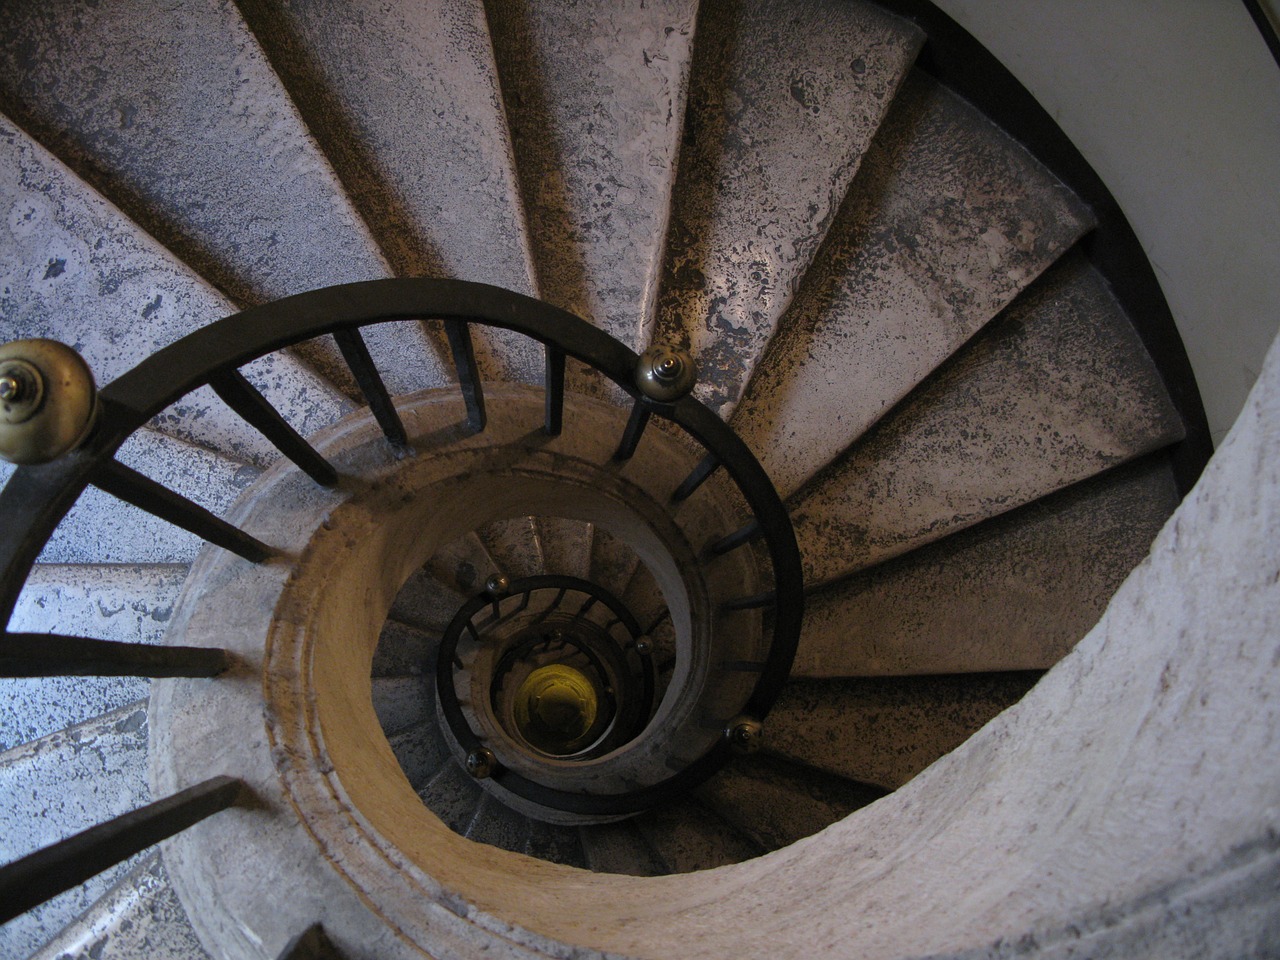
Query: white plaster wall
<point x="1176" y="104"/>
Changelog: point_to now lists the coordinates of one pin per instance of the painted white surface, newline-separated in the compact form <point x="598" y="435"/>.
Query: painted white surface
<point x="1176" y="104"/>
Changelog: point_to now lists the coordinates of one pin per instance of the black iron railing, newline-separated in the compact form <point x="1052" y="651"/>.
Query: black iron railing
<point x="37" y="498"/>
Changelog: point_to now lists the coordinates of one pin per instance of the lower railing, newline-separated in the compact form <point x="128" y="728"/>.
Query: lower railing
<point x="39" y="496"/>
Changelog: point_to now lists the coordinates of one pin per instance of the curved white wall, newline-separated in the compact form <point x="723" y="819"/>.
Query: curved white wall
<point x="1176" y="104"/>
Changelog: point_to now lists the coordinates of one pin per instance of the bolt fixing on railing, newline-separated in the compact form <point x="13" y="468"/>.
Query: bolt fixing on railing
<point x="665" y="373"/>
<point x="481" y="762"/>
<point x="644" y="646"/>
<point x="497" y="585"/>
<point x="48" y="401"/>
<point x="745" y="734"/>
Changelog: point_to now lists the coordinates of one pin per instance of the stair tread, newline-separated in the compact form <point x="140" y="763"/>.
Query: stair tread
<point x="425" y="603"/>
<point x="462" y="565"/>
<point x="613" y="562"/>
<point x="513" y="543"/>
<point x="127" y="604"/>
<point x="498" y="825"/>
<point x="777" y="802"/>
<point x="76" y="778"/>
<point x="199" y="133"/>
<point x="1056" y="390"/>
<point x="595" y="97"/>
<point x="421" y="750"/>
<point x="74" y="268"/>
<point x="452" y="795"/>
<point x="566" y="546"/>
<point x="140" y="917"/>
<point x="384" y="87"/>
<point x="947" y="221"/>
<point x="101" y="529"/>
<point x="1013" y="593"/>
<point x="687" y="836"/>
<point x="404" y="651"/>
<point x="620" y="848"/>
<point x="402" y="703"/>
<point x="559" y="844"/>
<point x="886" y="730"/>
<point x="782" y="106"/>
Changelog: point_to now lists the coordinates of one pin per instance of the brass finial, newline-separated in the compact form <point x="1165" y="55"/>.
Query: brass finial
<point x="48" y="401"/>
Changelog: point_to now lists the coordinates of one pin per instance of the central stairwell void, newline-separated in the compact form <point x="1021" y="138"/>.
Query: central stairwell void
<point x="795" y="399"/>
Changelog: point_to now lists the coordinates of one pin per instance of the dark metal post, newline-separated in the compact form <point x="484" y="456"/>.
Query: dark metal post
<point x="56" y="655"/>
<point x="362" y="367"/>
<point x="464" y="358"/>
<point x="241" y="396"/>
<point x="555" y="391"/>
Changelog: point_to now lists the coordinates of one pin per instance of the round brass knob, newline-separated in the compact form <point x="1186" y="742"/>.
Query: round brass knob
<point x="745" y="734"/>
<point x="665" y="373"/>
<point x="48" y="401"/>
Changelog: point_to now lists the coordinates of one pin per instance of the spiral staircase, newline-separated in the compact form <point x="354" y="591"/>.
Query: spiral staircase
<point x="914" y="325"/>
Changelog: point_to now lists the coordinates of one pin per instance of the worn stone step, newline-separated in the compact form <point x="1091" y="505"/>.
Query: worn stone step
<point x="777" y="801"/>
<point x="559" y="844"/>
<point x="62" y="784"/>
<point x="102" y="529"/>
<point x="140" y="917"/>
<point x="74" y="268"/>
<point x="404" y="650"/>
<point x="421" y="750"/>
<point x="566" y="546"/>
<point x="1014" y="593"/>
<point x="885" y="730"/>
<point x="947" y="221"/>
<point x="686" y="836"/>
<point x="185" y="126"/>
<point x="613" y="562"/>
<point x="402" y="703"/>
<point x="452" y="795"/>
<point x="463" y="565"/>
<point x="595" y="95"/>
<point x="425" y="603"/>
<point x="1058" y="389"/>
<point x="127" y="604"/>
<point x="515" y="546"/>
<point x="405" y="101"/>
<point x="782" y="106"/>
<point x="498" y="825"/>
<point x="621" y="848"/>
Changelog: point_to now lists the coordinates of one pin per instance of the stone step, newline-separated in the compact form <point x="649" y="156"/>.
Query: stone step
<point x="405" y="101"/>
<point x="559" y="844"/>
<point x="947" y="221"/>
<point x="421" y="751"/>
<point x="101" y="529"/>
<point x="463" y="565"/>
<point x="1014" y="593"/>
<point x="782" y="106"/>
<point x="403" y="703"/>
<point x="452" y="795"/>
<point x="74" y="268"/>
<point x="127" y="604"/>
<point x="685" y="836"/>
<point x="566" y="546"/>
<point x="404" y="650"/>
<point x="426" y="604"/>
<point x="515" y="546"/>
<point x="185" y="126"/>
<point x="140" y="917"/>
<point x="777" y="801"/>
<point x="885" y="730"/>
<point x="498" y="825"/>
<point x="595" y="95"/>
<point x="621" y="848"/>
<point x="1058" y="389"/>
<point x="62" y="784"/>
<point x="613" y="562"/>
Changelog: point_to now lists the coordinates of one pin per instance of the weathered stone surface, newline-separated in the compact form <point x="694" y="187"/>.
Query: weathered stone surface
<point x="946" y="222"/>
<point x="566" y="546"/>
<point x="403" y="702"/>
<point x="498" y="826"/>
<point x="686" y="836"/>
<point x="612" y="562"/>
<point x="404" y="650"/>
<point x="1014" y="593"/>
<point x="102" y="529"/>
<point x="886" y="730"/>
<point x="1056" y="390"/>
<point x="559" y="844"/>
<point x="595" y="96"/>
<point x="421" y="751"/>
<point x="777" y="802"/>
<point x="425" y="603"/>
<point x="185" y="127"/>
<point x="514" y="546"/>
<point x="620" y="848"/>
<point x="140" y="917"/>
<point x="463" y="565"/>
<point x="74" y="268"/>
<point x="453" y="796"/>
<point x="404" y="99"/>
<point x="129" y="604"/>
<point x="782" y="106"/>
<point x="57" y="786"/>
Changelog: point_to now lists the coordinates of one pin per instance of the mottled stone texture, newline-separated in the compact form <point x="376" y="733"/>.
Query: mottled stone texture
<point x="75" y="778"/>
<point x="185" y="126"/>
<point x="140" y="917"/>
<point x="514" y="546"/>
<point x="595" y="93"/>
<point x="1013" y="593"/>
<point x="884" y="731"/>
<point x="1056" y="390"/>
<point x="946" y="222"/>
<point x="686" y="836"/>
<point x="74" y="268"/>
<point x="404" y="99"/>
<point x="128" y="604"/>
<point x="782" y="105"/>
<point x="566" y="546"/>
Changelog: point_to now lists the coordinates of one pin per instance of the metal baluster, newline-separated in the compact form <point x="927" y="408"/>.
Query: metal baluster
<point x="554" y="423"/>
<point x="375" y="392"/>
<point x="241" y="396"/>
<point x="128" y="485"/>
<point x="39" y="876"/>
<point x="706" y="466"/>
<point x="751" y="603"/>
<point x="750" y="531"/>
<point x="56" y="655"/>
<point x="636" y="423"/>
<point x="464" y="358"/>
